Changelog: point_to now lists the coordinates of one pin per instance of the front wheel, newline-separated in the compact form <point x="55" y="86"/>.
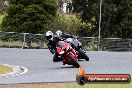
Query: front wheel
<point x="81" y="80"/>
<point x="83" y="55"/>
<point x="56" y="58"/>
<point x="73" y="61"/>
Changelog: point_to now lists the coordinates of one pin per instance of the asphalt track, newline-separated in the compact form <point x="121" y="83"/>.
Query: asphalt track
<point x="43" y="69"/>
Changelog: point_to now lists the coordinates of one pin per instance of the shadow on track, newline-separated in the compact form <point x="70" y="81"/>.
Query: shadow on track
<point x="64" y="67"/>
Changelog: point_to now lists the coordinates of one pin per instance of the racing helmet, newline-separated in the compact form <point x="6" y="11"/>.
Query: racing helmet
<point x="59" y="33"/>
<point x="49" y="35"/>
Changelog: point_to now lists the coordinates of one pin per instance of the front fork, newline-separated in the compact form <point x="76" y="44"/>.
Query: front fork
<point x="66" y="60"/>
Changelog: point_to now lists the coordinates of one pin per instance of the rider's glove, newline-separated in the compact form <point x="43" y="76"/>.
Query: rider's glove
<point x="52" y="51"/>
<point x="69" y="48"/>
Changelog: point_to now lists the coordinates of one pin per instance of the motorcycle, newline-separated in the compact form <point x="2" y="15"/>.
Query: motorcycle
<point x="78" y="47"/>
<point x="67" y="54"/>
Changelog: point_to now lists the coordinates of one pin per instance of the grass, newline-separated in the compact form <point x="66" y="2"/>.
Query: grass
<point x="13" y="43"/>
<point x="4" y="69"/>
<point x="101" y="86"/>
<point x="67" y="85"/>
<point x="21" y="44"/>
<point x="68" y="16"/>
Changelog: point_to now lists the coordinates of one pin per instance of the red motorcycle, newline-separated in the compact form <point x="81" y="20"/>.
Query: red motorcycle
<point x="67" y="53"/>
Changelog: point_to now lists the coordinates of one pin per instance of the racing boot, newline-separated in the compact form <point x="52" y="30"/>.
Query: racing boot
<point x="64" y="62"/>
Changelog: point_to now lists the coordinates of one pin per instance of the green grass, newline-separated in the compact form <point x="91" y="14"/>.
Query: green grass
<point x="13" y="43"/>
<point x="20" y="43"/>
<point x="4" y="69"/>
<point x="69" y="85"/>
<point x="101" y="86"/>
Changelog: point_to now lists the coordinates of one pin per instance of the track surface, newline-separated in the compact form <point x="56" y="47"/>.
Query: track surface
<point x="43" y="69"/>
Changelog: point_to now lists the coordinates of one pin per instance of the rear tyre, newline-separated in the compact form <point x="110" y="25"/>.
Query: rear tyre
<point x="83" y="55"/>
<point x="73" y="61"/>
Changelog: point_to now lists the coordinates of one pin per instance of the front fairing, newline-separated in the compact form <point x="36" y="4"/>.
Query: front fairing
<point x="63" y="46"/>
<point x="73" y="53"/>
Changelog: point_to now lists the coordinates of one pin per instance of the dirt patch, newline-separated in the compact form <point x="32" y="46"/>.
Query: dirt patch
<point x="5" y="69"/>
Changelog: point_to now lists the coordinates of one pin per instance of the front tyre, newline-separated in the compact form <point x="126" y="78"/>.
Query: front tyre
<point x="56" y="58"/>
<point x="73" y="61"/>
<point x="83" y="55"/>
<point x="81" y="80"/>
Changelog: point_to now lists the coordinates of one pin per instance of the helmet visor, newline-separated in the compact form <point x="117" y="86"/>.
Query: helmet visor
<point x="48" y="37"/>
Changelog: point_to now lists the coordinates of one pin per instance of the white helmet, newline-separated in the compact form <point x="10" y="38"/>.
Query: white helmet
<point x="49" y="35"/>
<point x="59" y="33"/>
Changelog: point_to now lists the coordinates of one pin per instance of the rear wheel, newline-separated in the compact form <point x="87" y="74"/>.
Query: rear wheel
<point x="83" y="55"/>
<point x="73" y="61"/>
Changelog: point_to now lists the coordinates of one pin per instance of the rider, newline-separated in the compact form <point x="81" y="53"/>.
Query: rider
<point x="52" y="42"/>
<point x="63" y="35"/>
